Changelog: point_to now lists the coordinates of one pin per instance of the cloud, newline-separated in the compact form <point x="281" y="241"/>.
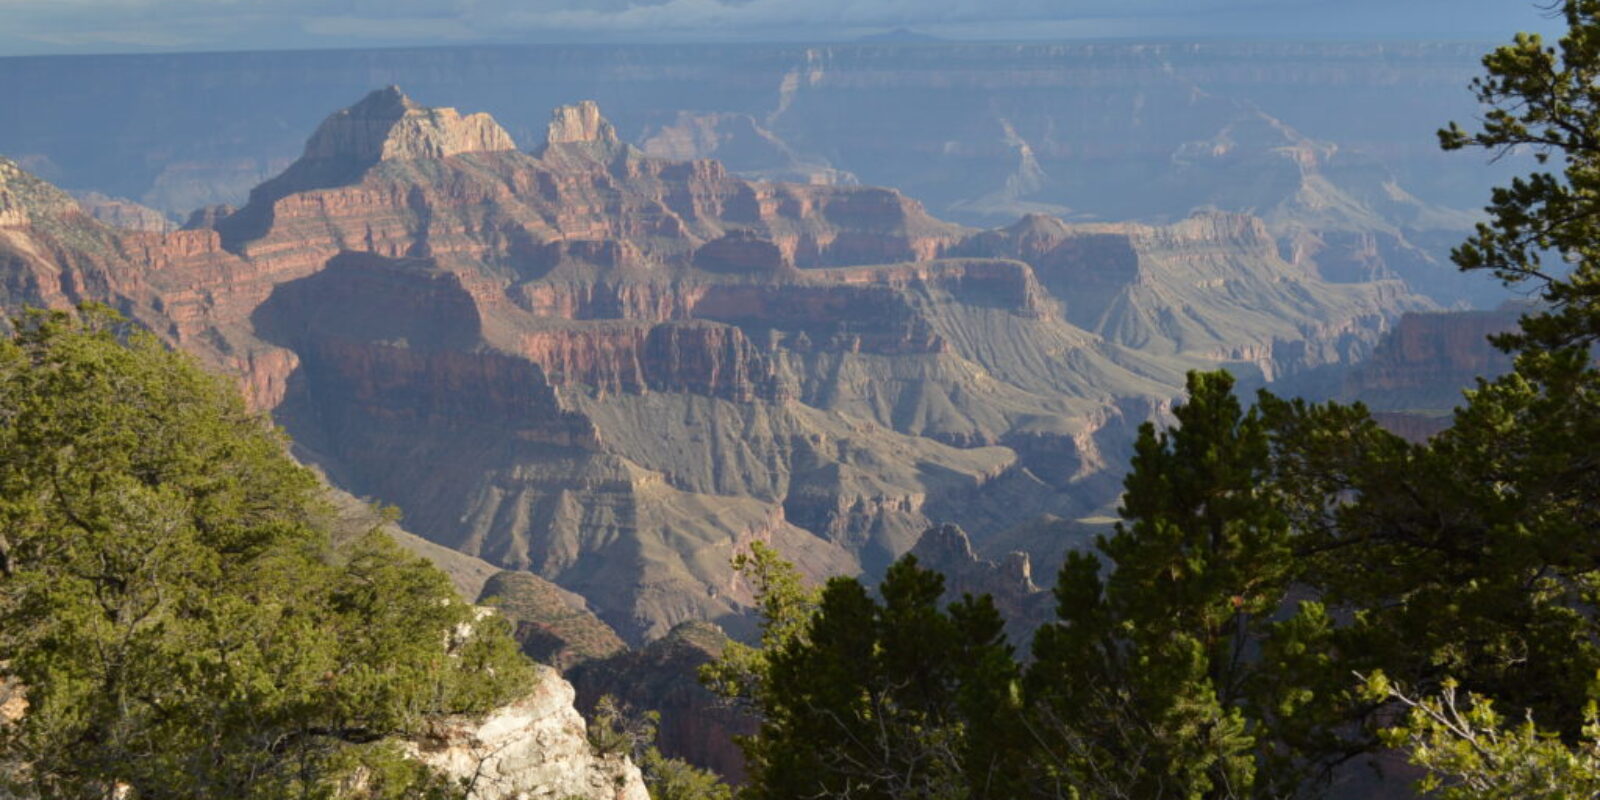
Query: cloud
<point x="402" y="28"/>
<point x="87" y="25"/>
<point x="112" y="37"/>
<point x="693" y="15"/>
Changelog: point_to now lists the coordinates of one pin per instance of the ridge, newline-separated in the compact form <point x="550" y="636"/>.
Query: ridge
<point x="24" y="196"/>
<point x="386" y="125"/>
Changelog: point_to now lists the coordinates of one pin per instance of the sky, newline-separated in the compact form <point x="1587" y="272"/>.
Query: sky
<point x="45" y="27"/>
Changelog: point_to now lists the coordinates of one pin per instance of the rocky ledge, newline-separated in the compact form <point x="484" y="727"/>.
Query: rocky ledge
<point x="24" y="197"/>
<point x="536" y="747"/>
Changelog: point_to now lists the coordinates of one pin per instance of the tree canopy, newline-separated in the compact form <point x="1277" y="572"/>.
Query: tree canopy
<point x="1209" y="648"/>
<point x="174" y="606"/>
<point x="1146" y="669"/>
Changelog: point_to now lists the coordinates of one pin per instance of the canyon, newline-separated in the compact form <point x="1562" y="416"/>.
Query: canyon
<point x="592" y="352"/>
<point x="1330" y="143"/>
<point x="613" y="370"/>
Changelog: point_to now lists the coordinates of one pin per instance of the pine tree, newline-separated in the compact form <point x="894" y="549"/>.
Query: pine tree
<point x="1472" y="562"/>
<point x="883" y="699"/>
<point x="1149" y="685"/>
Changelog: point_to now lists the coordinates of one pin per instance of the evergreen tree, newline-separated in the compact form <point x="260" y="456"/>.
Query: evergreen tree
<point x="786" y="606"/>
<point x="1472" y="752"/>
<point x="874" y="699"/>
<point x="172" y="604"/>
<point x="1150" y="684"/>
<point x="1476" y="558"/>
<point x="1545" y="99"/>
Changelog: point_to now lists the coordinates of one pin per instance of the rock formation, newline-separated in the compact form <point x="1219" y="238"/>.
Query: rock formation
<point x="1213" y="286"/>
<point x="742" y="143"/>
<point x="1426" y="360"/>
<point x="26" y="200"/>
<point x="534" y="747"/>
<point x="947" y="549"/>
<point x="554" y="626"/>
<point x="1047" y="539"/>
<point x="1416" y="375"/>
<point x="663" y="676"/>
<point x="1329" y="142"/>
<point x="53" y="254"/>
<point x="580" y="124"/>
<point x="614" y="371"/>
<point x="387" y="126"/>
<point x="120" y="212"/>
<point x="578" y="134"/>
<point x="13" y="705"/>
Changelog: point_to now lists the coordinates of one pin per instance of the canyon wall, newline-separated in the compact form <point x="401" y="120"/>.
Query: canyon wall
<point x="1426" y="361"/>
<point x="1416" y="375"/>
<point x="1331" y="143"/>
<point x="613" y="371"/>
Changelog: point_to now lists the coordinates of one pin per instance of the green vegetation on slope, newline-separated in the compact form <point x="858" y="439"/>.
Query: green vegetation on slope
<point x="552" y="624"/>
<point x="867" y="698"/>
<point x="172" y="601"/>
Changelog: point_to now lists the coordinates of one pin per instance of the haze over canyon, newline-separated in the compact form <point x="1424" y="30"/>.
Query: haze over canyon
<point x="611" y="344"/>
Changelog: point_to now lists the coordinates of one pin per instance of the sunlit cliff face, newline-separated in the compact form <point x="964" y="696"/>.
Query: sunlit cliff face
<point x="614" y="370"/>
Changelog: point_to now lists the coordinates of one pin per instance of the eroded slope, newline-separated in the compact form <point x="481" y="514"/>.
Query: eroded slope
<point x="614" y="371"/>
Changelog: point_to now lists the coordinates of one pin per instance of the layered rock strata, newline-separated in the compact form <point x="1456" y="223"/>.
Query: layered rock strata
<point x="122" y="213"/>
<point x="1419" y="370"/>
<point x="615" y="371"/>
<point x="947" y="549"/>
<point x="1426" y="360"/>
<point x="1328" y="141"/>
<point x="1214" y="286"/>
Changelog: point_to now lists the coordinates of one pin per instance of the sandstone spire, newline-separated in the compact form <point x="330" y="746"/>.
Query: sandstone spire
<point x="579" y="130"/>
<point x="387" y="125"/>
<point x="580" y="123"/>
